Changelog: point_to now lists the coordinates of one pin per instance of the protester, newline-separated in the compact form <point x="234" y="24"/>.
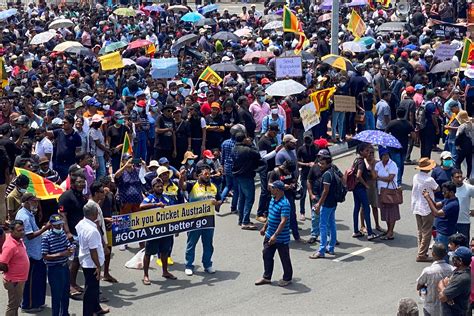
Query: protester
<point x="443" y="172"/>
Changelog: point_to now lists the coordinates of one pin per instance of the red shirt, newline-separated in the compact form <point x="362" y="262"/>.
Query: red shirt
<point x="15" y="257"/>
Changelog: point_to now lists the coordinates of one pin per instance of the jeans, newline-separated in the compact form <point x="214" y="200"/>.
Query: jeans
<point x="62" y="170"/>
<point x="321" y="129"/>
<point x="90" y="302"/>
<point x="398" y="156"/>
<point x="34" y="293"/>
<point x="196" y="146"/>
<point x="246" y="198"/>
<point x="293" y="220"/>
<point x="327" y="223"/>
<point x="264" y="200"/>
<point x="338" y="124"/>
<point x="315" y="218"/>
<point x="101" y="171"/>
<point x="451" y="147"/>
<point x="268" y="255"/>
<point x="139" y="146"/>
<point x="464" y="229"/>
<point x="116" y="158"/>
<point x="361" y="199"/>
<point x="58" y="278"/>
<point x="206" y="236"/>
<point x="231" y="184"/>
<point x="304" y="188"/>
<point x="369" y="120"/>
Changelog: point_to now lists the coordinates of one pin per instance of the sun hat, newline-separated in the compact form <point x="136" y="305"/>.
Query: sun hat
<point x="463" y="117"/>
<point x="426" y="164"/>
<point x="163" y="169"/>
<point x="188" y="155"/>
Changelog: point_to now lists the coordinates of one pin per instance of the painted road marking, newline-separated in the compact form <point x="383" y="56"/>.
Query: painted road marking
<point x="352" y="254"/>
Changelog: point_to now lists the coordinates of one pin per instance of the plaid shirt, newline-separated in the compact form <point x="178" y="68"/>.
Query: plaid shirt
<point x="226" y="148"/>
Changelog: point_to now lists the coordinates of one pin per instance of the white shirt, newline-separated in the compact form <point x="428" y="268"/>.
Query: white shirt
<point x="422" y="181"/>
<point x="100" y="221"/>
<point x="385" y="171"/>
<point x="89" y="238"/>
<point x="43" y="147"/>
<point x="94" y="135"/>
<point x="464" y="194"/>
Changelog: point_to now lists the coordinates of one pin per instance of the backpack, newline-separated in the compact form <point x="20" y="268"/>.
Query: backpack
<point x="340" y="189"/>
<point x="420" y="116"/>
<point x="349" y="178"/>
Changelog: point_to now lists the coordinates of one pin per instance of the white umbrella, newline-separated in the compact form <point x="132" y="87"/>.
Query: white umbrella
<point x="355" y="47"/>
<point x="65" y="45"/>
<point x="42" y="38"/>
<point x="245" y="32"/>
<point x="61" y="23"/>
<point x="284" y="88"/>
<point x="273" y="25"/>
<point x="128" y="62"/>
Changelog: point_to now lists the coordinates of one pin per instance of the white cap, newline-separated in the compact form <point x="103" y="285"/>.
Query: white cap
<point x="445" y="155"/>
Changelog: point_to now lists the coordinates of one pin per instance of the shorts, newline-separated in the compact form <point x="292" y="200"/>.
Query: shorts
<point x="76" y="244"/>
<point x="159" y="245"/>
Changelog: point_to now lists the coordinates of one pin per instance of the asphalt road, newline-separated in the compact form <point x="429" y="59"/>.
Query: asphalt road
<point x="368" y="283"/>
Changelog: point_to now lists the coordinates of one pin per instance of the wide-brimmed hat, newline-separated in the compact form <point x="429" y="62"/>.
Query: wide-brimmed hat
<point x="163" y="169"/>
<point x="463" y="117"/>
<point x="426" y="164"/>
<point x="188" y="155"/>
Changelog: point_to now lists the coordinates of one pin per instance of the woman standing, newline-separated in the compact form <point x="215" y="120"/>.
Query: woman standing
<point x="463" y="142"/>
<point x="387" y="171"/>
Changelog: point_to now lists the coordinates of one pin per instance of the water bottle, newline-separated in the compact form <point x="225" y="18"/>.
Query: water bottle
<point x="423" y="294"/>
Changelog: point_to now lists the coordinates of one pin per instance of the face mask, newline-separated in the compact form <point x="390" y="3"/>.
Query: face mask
<point x="155" y="95"/>
<point x="22" y="190"/>
<point x="342" y="83"/>
<point x="204" y="89"/>
<point x="448" y="163"/>
<point x="208" y="36"/>
<point x="274" y="111"/>
<point x="69" y="62"/>
<point x="106" y="107"/>
<point x="121" y="121"/>
<point x="154" y="109"/>
<point x="190" y="162"/>
<point x="209" y="161"/>
<point x="261" y="99"/>
<point x="57" y="230"/>
<point x="173" y="92"/>
<point x="307" y="141"/>
<point x="138" y="109"/>
<point x="180" y="89"/>
<point x="370" y="90"/>
<point x="34" y="209"/>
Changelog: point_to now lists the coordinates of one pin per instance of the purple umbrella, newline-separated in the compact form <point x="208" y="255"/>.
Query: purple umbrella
<point x="143" y="61"/>
<point x="378" y="138"/>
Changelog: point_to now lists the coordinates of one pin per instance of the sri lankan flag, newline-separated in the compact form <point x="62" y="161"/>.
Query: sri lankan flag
<point x="301" y="41"/>
<point x="356" y="25"/>
<point x="321" y="98"/>
<point x="290" y="22"/>
<point x="127" y="146"/>
<point x="42" y="188"/>
<point x="467" y="57"/>
<point x="210" y="75"/>
<point x="3" y="74"/>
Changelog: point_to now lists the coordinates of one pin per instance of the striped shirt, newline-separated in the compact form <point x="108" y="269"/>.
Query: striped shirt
<point x="276" y="211"/>
<point x="226" y="148"/>
<point x="53" y="243"/>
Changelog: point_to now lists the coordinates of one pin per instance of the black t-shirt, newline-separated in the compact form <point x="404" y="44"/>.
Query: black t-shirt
<point x="229" y="118"/>
<point x="117" y="135"/>
<point x="306" y="154"/>
<point x="183" y="132"/>
<point x="268" y="144"/>
<point x="4" y="165"/>
<point x="314" y="177"/>
<point x="108" y="205"/>
<point x="458" y="290"/>
<point x="11" y="148"/>
<point x="165" y="140"/>
<point x="213" y="138"/>
<point x="72" y="202"/>
<point x="65" y="149"/>
<point x="401" y="129"/>
<point x="410" y="107"/>
<point x="295" y="113"/>
<point x="246" y="118"/>
<point x="328" y="178"/>
<point x="360" y="165"/>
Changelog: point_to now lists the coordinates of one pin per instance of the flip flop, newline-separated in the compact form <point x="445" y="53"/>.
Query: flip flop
<point x="170" y="277"/>
<point x="357" y="235"/>
<point x="387" y="238"/>
<point x="109" y="279"/>
<point x="146" y="282"/>
<point x="103" y="311"/>
<point x="317" y="255"/>
<point x="249" y="227"/>
<point x="75" y="295"/>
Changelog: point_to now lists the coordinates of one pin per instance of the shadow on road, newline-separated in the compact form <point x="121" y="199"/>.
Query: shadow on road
<point x="296" y="287"/>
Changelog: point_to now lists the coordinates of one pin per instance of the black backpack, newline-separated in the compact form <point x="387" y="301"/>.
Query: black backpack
<point x="340" y="189"/>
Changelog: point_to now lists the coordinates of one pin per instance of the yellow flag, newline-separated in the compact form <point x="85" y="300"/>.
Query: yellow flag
<point x="211" y="76"/>
<point x="356" y="25"/>
<point x="151" y="49"/>
<point x="111" y="61"/>
<point x="321" y="98"/>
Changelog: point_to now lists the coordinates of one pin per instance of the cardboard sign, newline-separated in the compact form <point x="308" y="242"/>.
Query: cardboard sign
<point x="288" y="67"/>
<point x="344" y="103"/>
<point x="309" y="116"/>
<point x="164" y="68"/>
<point x="445" y="51"/>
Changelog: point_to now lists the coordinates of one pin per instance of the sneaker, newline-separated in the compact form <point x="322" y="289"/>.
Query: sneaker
<point x="188" y="272"/>
<point x="372" y="236"/>
<point x="302" y="217"/>
<point x="283" y="283"/>
<point x="263" y="281"/>
<point x="122" y="247"/>
<point x="313" y="240"/>
<point x="210" y="270"/>
<point x="261" y="219"/>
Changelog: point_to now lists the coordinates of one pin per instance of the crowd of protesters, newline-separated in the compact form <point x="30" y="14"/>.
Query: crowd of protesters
<point x="65" y="119"/>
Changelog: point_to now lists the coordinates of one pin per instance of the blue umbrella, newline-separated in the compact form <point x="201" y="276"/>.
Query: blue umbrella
<point x="378" y="138"/>
<point x="154" y="8"/>
<point x="192" y="17"/>
<point x="8" y="13"/>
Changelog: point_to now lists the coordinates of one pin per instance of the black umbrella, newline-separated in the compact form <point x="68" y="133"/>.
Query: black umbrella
<point x="183" y="40"/>
<point x="80" y="51"/>
<point x="206" y="21"/>
<point x="226" y="67"/>
<point x="226" y="36"/>
<point x="306" y="56"/>
<point x="256" y="68"/>
<point x="277" y="3"/>
<point x="194" y="53"/>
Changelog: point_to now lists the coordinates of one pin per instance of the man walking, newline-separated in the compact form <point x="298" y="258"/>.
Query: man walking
<point x="15" y="265"/>
<point x="34" y="294"/>
<point x="277" y="236"/>
<point x="91" y="257"/>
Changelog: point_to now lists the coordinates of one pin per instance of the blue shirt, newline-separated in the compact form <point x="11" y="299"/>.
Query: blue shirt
<point x="152" y="199"/>
<point x="284" y="155"/>
<point x="446" y="225"/>
<point x="226" y="148"/>
<point x="276" y="211"/>
<point x="33" y="246"/>
<point x="52" y="243"/>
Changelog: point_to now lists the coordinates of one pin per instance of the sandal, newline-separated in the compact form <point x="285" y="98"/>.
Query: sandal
<point x="387" y="238"/>
<point x="249" y="227"/>
<point x="169" y="276"/>
<point x="317" y="255"/>
<point x="146" y="282"/>
<point x="75" y="295"/>
<point x="357" y="235"/>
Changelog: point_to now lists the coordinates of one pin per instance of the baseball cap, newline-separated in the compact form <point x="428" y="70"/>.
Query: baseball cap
<point x="463" y="253"/>
<point x="153" y="163"/>
<point x="28" y="197"/>
<point x="139" y="94"/>
<point x="289" y="138"/>
<point x="445" y="155"/>
<point x="453" y="104"/>
<point x="278" y="184"/>
<point x="208" y="154"/>
<point x="410" y="89"/>
<point x="96" y="118"/>
<point x="163" y="160"/>
<point x="56" y="219"/>
<point x="265" y="81"/>
<point x="404" y="55"/>
<point x="324" y="153"/>
<point x="419" y="86"/>
<point x="141" y="103"/>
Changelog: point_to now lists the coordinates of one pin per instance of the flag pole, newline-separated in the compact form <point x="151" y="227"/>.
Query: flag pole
<point x="335" y="27"/>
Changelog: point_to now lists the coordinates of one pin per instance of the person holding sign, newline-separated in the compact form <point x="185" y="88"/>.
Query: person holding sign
<point x="162" y="245"/>
<point x="202" y="189"/>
